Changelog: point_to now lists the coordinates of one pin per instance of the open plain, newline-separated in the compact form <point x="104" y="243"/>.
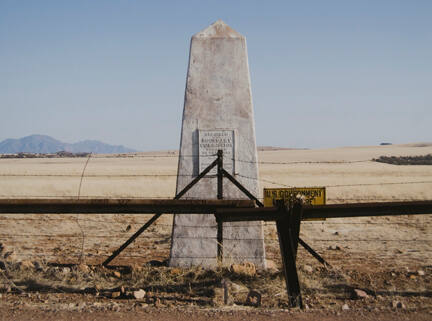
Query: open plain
<point x="388" y="258"/>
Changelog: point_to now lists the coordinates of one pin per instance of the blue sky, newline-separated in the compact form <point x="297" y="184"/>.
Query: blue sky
<point x="324" y="73"/>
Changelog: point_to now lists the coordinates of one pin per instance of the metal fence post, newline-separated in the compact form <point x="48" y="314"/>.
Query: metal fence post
<point x="288" y="228"/>
<point x="219" y="196"/>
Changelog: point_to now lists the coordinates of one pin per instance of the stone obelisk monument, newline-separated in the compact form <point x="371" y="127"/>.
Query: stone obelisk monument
<point x="218" y="114"/>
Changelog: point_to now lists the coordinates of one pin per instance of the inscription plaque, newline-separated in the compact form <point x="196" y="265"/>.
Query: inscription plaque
<point x="210" y="141"/>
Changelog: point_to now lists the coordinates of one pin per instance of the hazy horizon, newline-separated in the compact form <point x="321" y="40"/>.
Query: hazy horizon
<point x="258" y="146"/>
<point x="324" y="74"/>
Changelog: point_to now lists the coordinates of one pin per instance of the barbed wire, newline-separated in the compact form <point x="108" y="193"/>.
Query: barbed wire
<point x="88" y="236"/>
<point x="367" y="240"/>
<point x="94" y="175"/>
<point x="376" y="184"/>
<point x="297" y="162"/>
<point x="342" y="199"/>
<point x="72" y="197"/>
<point x="337" y="185"/>
<point x="30" y="254"/>
<point x="104" y="156"/>
<point x="178" y="155"/>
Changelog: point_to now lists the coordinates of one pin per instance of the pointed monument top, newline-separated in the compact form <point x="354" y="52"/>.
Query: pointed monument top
<point x="218" y="29"/>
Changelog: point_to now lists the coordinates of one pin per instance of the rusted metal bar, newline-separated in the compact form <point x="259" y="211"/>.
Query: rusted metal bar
<point x="109" y="206"/>
<point x="219" y="196"/>
<point x="241" y="187"/>
<point x="196" y="179"/>
<point x="131" y="239"/>
<point x="368" y="209"/>
<point x="314" y="253"/>
<point x="288" y="227"/>
<point x="219" y="174"/>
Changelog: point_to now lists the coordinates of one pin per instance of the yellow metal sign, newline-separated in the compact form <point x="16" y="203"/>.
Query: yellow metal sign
<point x="311" y="195"/>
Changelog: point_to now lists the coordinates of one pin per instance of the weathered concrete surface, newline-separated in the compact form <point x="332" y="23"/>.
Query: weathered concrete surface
<point x="217" y="114"/>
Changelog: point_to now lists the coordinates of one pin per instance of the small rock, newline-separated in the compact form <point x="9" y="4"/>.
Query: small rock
<point x="336" y="233"/>
<point x="345" y="307"/>
<point x="334" y="248"/>
<point x="246" y="268"/>
<point x="253" y="298"/>
<point x="65" y="270"/>
<point x="122" y="290"/>
<point x="115" y="294"/>
<point x="359" y="294"/>
<point x="140" y="294"/>
<point x="421" y="272"/>
<point x="398" y="305"/>
<point x="308" y="268"/>
<point x="413" y="277"/>
<point x="117" y="274"/>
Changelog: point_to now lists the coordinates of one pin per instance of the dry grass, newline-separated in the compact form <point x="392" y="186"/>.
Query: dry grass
<point x="321" y="288"/>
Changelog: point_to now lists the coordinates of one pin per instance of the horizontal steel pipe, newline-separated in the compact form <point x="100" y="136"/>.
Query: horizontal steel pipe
<point x="367" y="209"/>
<point x="227" y="210"/>
<point x="112" y="205"/>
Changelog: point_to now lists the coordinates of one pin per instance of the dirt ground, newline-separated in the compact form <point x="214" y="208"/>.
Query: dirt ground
<point x="215" y="314"/>
<point x="388" y="258"/>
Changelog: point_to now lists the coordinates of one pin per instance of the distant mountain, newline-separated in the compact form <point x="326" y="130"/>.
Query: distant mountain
<point x="45" y="145"/>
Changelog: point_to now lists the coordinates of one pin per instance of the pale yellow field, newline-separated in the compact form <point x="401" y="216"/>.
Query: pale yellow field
<point x="367" y="175"/>
<point x="61" y="237"/>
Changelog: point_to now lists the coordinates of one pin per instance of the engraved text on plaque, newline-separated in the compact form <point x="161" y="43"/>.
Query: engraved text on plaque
<point x="210" y="141"/>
